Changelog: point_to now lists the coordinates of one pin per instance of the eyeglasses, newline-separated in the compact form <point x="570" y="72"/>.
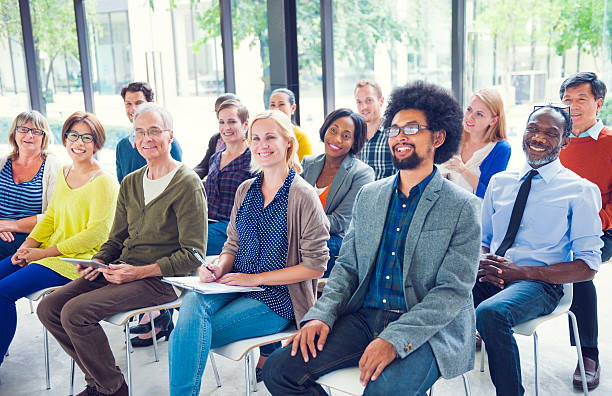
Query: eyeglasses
<point x="85" y="138"/>
<point x="153" y="131"/>
<point x="412" y="128"/>
<point x="33" y="131"/>
<point x="560" y="106"/>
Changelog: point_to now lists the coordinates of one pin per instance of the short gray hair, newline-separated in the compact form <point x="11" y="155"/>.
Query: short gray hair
<point x="151" y="107"/>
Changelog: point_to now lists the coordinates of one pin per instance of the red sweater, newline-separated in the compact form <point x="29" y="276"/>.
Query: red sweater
<point x="592" y="159"/>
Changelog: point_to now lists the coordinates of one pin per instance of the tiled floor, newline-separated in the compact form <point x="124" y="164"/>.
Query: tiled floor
<point x="22" y="373"/>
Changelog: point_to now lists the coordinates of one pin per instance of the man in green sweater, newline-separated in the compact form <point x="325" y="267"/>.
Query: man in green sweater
<point x="160" y="217"/>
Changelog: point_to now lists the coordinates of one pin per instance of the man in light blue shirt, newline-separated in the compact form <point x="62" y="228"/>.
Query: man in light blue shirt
<point x="556" y="240"/>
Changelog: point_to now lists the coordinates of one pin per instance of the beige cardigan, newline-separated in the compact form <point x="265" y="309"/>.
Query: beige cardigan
<point x="52" y="166"/>
<point x="307" y="234"/>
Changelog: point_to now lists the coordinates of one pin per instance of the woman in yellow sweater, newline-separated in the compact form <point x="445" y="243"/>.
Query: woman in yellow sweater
<point x="76" y="223"/>
<point x="284" y="100"/>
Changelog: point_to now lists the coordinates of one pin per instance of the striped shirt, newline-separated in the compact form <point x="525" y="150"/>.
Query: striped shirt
<point x="263" y="243"/>
<point x="20" y="200"/>
<point x="386" y="290"/>
<point x="377" y="154"/>
<point x="221" y="184"/>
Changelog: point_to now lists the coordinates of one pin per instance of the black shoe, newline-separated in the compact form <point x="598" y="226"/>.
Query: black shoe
<point x="140" y="342"/>
<point x="258" y="374"/>
<point x="161" y="322"/>
<point x="141" y="329"/>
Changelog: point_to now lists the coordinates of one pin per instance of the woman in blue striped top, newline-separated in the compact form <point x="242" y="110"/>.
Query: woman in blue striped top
<point x="27" y="180"/>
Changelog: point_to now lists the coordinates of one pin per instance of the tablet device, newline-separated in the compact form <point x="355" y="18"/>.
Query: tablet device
<point x="84" y="262"/>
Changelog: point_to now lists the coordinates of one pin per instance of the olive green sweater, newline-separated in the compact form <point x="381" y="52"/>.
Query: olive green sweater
<point x="162" y="231"/>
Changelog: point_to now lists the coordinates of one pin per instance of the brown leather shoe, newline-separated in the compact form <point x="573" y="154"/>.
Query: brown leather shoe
<point x="123" y="391"/>
<point x="591" y="371"/>
<point x="478" y="342"/>
<point x="89" y="391"/>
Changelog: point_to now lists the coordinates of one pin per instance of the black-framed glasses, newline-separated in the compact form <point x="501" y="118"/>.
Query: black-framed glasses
<point x="33" y="131"/>
<point x="560" y="106"/>
<point x="153" y="131"/>
<point x="411" y="128"/>
<point x="74" y="136"/>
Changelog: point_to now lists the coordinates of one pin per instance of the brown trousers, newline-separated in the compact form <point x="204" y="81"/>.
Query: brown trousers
<point x="72" y="313"/>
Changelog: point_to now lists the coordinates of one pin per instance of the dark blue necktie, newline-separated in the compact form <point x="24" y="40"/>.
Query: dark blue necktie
<point x="517" y="214"/>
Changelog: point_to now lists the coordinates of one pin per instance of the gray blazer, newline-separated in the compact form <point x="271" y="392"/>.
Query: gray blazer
<point x="440" y="265"/>
<point x="352" y="175"/>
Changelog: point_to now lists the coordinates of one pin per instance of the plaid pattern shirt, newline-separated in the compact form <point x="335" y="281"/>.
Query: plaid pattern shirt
<point x="386" y="290"/>
<point x="221" y="184"/>
<point x="377" y="154"/>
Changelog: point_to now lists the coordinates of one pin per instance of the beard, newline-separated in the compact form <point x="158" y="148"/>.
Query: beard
<point x="548" y="158"/>
<point x="411" y="162"/>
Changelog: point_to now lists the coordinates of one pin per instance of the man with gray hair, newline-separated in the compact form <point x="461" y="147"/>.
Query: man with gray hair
<point x="159" y="226"/>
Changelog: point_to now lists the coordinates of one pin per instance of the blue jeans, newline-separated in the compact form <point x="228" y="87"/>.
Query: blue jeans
<point x="497" y="311"/>
<point x="209" y="321"/>
<point x="17" y="282"/>
<point x="217" y="235"/>
<point x="9" y="248"/>
<point x="286" y="375"/>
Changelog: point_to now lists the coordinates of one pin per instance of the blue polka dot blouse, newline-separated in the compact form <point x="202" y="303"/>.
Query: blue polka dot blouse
<point x="263" y="243"/>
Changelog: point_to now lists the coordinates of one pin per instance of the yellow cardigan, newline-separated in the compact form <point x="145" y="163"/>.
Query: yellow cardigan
<point x="77" y="221"/>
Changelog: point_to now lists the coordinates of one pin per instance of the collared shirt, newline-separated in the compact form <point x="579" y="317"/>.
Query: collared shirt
<point x="560" y="221"/>
<point x="263" y="243"/>
<point x="221" y="184"/>
<point x="386" y="290"/>
<point x="592" y="131"/>
<point x="377" y="154"/>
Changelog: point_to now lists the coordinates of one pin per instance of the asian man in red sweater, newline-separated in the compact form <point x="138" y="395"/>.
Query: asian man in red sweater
<point x="589" y="154"/>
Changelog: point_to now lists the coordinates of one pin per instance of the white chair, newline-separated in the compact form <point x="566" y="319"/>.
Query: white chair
<point x="529" y="329"/>
<point x="346" y="380"/>
<point x="245" y="349"/>
<point x="37" y="295"/>
<point x="123" y="319"/>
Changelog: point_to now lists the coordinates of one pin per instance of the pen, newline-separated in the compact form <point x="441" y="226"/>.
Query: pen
<point x="199" y="257"/>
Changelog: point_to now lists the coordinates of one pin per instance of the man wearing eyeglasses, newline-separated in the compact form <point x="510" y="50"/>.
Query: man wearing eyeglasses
<point x="540" y="229"/>
<point x="398" y="301"/>
<point x="127" y="157"/>
<point x="589" y="154"/>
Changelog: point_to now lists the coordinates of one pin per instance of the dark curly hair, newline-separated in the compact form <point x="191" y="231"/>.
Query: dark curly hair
<point x="441" y="110"/>
<point x="359" y="135"/>
<point x="138" y="86"/>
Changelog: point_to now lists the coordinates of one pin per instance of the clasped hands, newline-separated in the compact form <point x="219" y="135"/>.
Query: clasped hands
<point x="377" y="355"/>
<point x="498" y="271"/>
<point x="25" y="256"/>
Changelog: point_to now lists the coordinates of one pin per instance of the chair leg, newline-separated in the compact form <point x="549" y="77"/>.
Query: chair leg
<point x="153" y="335"/>
<point x="572" y="317"/>
<point x="71" y="377"/>
<point x="215" y="371"/>
<point x="535" y="361"/>
<point x="46" y="352"/>
<point x="466" y="384"/>
<point x="328" y="389"/>
<point x="247" y="374"/>
<point x="483" y="352"/>
<point x="31" y="307"/>
<point x="253" y="371"/>
<point x="128" y="358"/>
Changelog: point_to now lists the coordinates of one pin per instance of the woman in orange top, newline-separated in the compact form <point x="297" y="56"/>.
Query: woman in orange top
<point x="338" y="175"/>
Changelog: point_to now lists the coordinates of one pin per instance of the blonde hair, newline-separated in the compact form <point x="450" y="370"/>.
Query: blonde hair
<point x="39" y="121"/>
<point x="286" y="129"/>
<point x="493" y="100"/>
<point x="366" y="82"/>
